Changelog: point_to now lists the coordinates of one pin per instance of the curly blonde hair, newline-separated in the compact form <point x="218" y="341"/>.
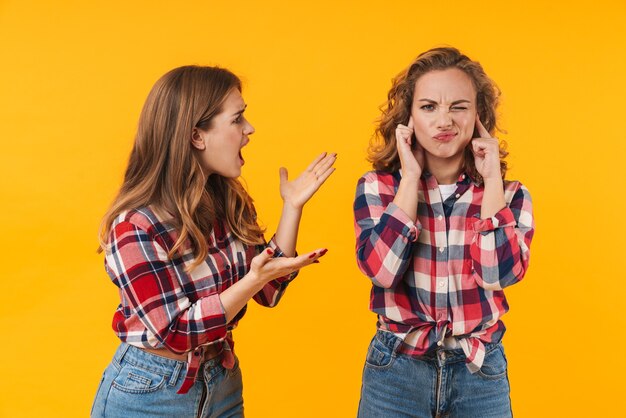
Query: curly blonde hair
<point x="382" y="152"/>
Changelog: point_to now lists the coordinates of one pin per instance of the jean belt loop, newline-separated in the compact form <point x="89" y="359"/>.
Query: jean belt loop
<point x="396" y="345"/>
<point x="176" y="373"/>
<point x="119" y="356"/>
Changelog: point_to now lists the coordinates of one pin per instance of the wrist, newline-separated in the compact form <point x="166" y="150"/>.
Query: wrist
<point x="292" y="208"/>
<point x="493" y="181"/>
<point x="255" y="280"/>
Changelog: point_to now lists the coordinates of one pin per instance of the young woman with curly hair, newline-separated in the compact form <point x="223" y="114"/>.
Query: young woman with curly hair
<point x="440" y="234"/>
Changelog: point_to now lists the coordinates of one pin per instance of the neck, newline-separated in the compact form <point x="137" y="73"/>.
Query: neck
<point x="445" y="170"/>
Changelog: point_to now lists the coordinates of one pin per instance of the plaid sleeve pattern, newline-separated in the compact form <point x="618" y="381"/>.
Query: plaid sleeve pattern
<point x="439" y="282"/>
<point x="385" y="234"/>
<point x="157" y="310"/>
<point x="272" y="291"/>
<point x="500" y="248"/>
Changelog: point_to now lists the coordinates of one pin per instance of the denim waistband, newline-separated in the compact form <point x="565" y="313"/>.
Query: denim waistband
<point x="170" y="368"/>
<point x="451" y="355"/>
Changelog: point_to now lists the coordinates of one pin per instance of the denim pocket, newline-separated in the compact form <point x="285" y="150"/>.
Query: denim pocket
<point x="133" y="379"/>
<point x="495" y="365"/>
<point x="380" y="354"/>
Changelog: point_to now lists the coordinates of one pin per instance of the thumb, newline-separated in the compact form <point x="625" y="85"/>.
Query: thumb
<point x="263" y="257"/>
<point x="282" y="172"/>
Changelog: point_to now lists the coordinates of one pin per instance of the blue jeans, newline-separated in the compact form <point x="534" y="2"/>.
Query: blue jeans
<point x="434" y="385"/>
<point x="141" y="384"/>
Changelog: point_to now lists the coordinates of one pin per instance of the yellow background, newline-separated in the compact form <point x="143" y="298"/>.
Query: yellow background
<point x="74" y="76"/>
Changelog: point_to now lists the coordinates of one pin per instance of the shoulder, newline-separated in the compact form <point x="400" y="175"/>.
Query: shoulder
<point x="143" y="222"/>
<point x="377" y="180"/>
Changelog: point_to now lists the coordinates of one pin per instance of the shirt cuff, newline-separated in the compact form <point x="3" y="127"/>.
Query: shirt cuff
<point x="503" y="218"/>
<point x="409" y="228"/>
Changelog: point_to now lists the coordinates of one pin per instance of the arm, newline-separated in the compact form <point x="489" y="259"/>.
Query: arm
<point x="500" y="250"/>
<point x="385" y="234"/>
<point x="151" y="288"/>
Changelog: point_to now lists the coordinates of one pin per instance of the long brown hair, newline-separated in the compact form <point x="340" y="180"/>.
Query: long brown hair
<point x="382" y="150"/>
<point x="163" y="172"/>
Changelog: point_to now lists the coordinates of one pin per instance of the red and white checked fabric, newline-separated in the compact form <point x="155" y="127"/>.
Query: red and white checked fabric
<point x="161" y="304"/>
<point x="438" y="281"/>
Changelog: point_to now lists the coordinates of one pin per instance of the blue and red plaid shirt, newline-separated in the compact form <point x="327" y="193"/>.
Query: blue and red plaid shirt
<point x="164" y="306"/>
<point x="438" y="281"/>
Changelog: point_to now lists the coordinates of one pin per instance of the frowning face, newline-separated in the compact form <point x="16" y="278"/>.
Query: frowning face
<point x="444" y="113"/>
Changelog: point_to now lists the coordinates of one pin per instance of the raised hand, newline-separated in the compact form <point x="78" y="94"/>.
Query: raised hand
<point x="298" y="191"/>
<point x="411" y="155"/>
<point x="486" y="153"/>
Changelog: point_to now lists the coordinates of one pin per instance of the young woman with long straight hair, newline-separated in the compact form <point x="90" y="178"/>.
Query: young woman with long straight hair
<point x="182" y="244"/>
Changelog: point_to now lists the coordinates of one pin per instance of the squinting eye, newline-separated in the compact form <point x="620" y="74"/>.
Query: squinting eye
<point x="458" y="108"/>
<point x="238" y="119"/>
<point x="428" y="107"/>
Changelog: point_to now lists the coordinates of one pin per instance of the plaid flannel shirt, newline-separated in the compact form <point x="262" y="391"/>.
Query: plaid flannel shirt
<point x="162" y="305"/>
<point x="438" y="281"/>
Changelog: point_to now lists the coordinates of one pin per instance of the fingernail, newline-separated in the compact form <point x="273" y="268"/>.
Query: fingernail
<point x="269" y="251"/>
<point x="324" y="251"/>
<point x="312" y="255"/>
<point x="316" y="261"/>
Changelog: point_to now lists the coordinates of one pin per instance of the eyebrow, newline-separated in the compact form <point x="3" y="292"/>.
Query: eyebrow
<point x="241" y="111"/>
<point x="453" y="103"/>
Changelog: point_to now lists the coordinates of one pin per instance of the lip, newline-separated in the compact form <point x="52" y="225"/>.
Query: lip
<point x="241" y="160"/>
<point x="445" y="136"/>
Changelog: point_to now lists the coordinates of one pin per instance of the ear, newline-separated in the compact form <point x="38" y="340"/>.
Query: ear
<point x="197" y="140"/>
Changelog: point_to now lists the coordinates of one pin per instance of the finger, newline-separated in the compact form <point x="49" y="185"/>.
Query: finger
<point x="309" y="258"/>
<point x="482" y="131"/>
<point x="317" y="160"/>
<point x="322" y="177"/>
<point x="410" y="125"/>
<point x="323" y="165"/>
<point x="284" y="175"/>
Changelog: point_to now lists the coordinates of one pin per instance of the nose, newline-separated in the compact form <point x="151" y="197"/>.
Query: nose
<point x="248" y="129"/>
<point x="444" y="119"/>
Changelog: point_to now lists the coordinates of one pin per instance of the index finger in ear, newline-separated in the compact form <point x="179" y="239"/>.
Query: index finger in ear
<point x="410" y="125"/>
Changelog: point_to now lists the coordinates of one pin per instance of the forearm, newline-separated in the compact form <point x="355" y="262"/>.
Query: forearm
<point x="236" y="296"/>
<point x="493" y="198"/>
<point x="406" y="196"/>
<point x="287" y="232"/>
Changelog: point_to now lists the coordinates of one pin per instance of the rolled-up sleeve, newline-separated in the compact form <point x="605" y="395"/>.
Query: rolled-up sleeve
<point x="385" y="235"/>
<point x="273" y="290"/>
<point x="500" y="249"/>
<point x="151" y="291"/>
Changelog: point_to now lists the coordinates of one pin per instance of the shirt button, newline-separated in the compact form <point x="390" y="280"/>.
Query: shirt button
<point x="441" y="284"/>
<point x="440" y="217"/>
<point x="439" y="343"/>
<point x="457" y="195"/>
<point x="440" y="316"/>
<point x="441" y="249"/>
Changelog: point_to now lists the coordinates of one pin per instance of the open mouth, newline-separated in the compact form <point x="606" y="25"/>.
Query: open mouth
<point x="241" y="160"/>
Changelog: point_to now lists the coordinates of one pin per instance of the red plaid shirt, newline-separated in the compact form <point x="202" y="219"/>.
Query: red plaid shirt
<point x="162" y="305"/>
<point x="438" y="281"/>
